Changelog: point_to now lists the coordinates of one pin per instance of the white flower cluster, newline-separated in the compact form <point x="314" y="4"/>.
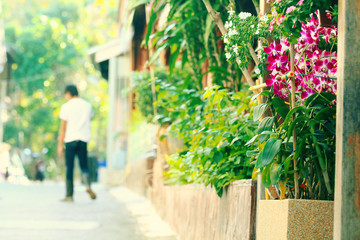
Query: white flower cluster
<point x="235" y="49"/>
<point x="265" y="18"/>
<point x="228" y="24"/>
<point x="230" y="27"/>
<point x="233" y="32"/>
<point x="233" y="37"/>
<point x="244" y="15"/>
<point x="231" y="12"/>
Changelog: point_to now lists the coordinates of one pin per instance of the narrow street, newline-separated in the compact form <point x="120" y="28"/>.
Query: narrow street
<point x="34" y="212"/>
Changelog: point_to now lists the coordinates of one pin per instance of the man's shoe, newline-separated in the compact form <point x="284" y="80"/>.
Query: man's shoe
<point x="91" y="193"/>
<point x="67" y="199"/>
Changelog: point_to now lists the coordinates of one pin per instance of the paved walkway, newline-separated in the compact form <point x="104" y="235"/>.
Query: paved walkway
<point x="34" y="212"/>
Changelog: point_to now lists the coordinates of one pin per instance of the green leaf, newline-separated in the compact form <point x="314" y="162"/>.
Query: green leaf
<point x="275" y="173"/>
<point x="251" y="141"/>
<point x="223" y="144"/>
<point x="268" y="133"/>
<point x="291" y="113"/>
<point x="293" y="124"/>
<point x="169" y="27"/>
<point x="155" y="56"/>
<point x="173" y="58"/>
<point x="266" y="177"/>
<point x="267" y="155"/>
<point x="251" y="153"/>
<point x="177" y="9"/>
<point x="207" y="94"/>
<point x="322" y="98"/>
<point x="218" y="156"/>
<point x="259" y="111"/>
<point x="280" y="107"/>
<point x="208" y="28"/>
<point x="265" y="124"/>
<point x="223" y="103"/>
<point x="234" y="140"/>
<point x="184" y="59"/>
<point x="232" y="121"/>
<point x="301" y="147"/>
<point x="207" y="151"/>
<point x="326" y="113"/>
<point x="287" y="164"/>
<point x="160" y="116"/>
<point x="150" y="26"/>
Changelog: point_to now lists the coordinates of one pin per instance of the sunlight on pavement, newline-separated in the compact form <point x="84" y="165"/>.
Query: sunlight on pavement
<point x="34" y="212"/>
<point x="48" y="225"/>
<point x="149" y="222"/>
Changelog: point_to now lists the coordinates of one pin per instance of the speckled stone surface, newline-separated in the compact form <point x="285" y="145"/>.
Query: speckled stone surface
<point x="295" y="219"/>
<point x="310" y="219"/>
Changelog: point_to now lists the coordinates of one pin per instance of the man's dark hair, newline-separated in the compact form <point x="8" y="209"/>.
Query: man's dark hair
<point x="72" y="89"/>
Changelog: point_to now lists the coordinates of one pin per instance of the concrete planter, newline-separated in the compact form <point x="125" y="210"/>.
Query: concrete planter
<point x="196" y="212"/>
<point x="295" y="219"/>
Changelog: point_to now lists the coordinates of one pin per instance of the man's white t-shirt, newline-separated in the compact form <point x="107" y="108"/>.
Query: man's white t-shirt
<point x="77" y="113"/>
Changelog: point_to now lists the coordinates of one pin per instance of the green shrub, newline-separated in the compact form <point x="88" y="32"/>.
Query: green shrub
<point x="215" y="130"/>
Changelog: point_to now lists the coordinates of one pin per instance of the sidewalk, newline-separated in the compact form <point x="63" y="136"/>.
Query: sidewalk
<point x="34" y="212"/>
<point x="149" y="222"/>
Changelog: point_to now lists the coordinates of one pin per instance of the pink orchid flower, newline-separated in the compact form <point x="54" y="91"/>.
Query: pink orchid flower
<point x="319" y="66"/>
<point x="290" y="9"/>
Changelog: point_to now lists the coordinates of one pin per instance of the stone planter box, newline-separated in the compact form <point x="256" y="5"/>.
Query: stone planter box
<point x="195" y="212"/>
<point x="295" y="219"/>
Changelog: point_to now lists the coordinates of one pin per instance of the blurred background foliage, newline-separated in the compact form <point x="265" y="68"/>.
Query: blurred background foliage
<point x="49" y="40"/>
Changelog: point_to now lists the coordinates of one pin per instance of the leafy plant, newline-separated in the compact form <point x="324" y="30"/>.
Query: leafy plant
<point x="171" y="90"/>
<point x="141" y="86"/>
<point x="191" y="39"/>
<point x="314" y="123"/>
<point x="215" y="132"/>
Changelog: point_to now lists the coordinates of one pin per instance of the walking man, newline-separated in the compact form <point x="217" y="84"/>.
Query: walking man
<point x="75" y="117"/>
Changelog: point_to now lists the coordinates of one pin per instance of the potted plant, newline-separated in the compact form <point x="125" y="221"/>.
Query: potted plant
<point x="295" y="144"/>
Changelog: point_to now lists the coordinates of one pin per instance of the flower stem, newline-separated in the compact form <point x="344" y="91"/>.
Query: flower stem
<point x="292" y="68"/>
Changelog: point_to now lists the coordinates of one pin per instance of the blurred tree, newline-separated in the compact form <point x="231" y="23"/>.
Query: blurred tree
<point x="50" y="39"/>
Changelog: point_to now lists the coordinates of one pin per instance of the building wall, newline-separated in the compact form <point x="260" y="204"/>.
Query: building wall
<point x="119" y="111"/>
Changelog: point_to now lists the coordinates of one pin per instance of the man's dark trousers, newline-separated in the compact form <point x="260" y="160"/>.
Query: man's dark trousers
<point x="72" y="149"/>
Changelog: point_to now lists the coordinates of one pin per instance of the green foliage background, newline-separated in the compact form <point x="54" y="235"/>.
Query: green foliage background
<point x="49" y="40"/>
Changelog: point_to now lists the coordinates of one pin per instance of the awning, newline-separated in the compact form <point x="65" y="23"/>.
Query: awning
<point x="114" y="48"/>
